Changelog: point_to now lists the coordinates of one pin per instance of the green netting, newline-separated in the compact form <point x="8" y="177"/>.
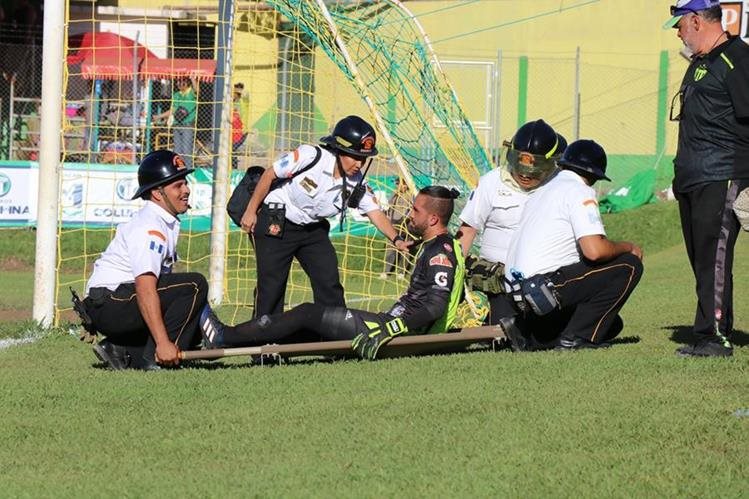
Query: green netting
<point x="382" y="51"/>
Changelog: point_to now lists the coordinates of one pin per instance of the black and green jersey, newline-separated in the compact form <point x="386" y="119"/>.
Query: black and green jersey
<point x="714" y="119"/>
<point x="431" y="300"/>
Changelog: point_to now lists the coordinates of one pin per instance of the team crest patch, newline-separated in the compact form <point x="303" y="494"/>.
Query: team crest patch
<point x="274" y="229"/>
<point x="526" y="159"/>
<point x="700" y="72"/>
<point x="367" y="143"/>
<point x="440" y="260"/>
<point x="447" y="247"/>
<point x="178" y="162"/>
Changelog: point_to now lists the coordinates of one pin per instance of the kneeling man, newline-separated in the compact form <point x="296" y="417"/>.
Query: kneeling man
<point x="566" y="274"/>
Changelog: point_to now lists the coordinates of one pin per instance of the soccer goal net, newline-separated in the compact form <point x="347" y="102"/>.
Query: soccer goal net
<point x="271" y="76"/>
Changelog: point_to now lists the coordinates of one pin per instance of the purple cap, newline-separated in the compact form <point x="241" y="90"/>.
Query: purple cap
<point x="683" y="7"/>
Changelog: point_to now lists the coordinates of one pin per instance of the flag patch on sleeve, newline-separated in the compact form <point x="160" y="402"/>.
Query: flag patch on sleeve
<point x="154" y="246"/>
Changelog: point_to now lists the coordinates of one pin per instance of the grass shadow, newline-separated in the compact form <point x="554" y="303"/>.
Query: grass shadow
<point x="625" y="340"/>
<point x="683" y="335"/>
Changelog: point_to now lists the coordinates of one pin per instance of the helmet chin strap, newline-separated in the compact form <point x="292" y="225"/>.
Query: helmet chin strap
<point x="344" y="191"/>
<point x="167" y="202"/>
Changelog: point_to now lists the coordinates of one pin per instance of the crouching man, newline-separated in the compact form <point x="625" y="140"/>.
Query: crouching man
<point x="564" y="273"/>
<point x="429" y="304"/>
<point x="146" y="312"/>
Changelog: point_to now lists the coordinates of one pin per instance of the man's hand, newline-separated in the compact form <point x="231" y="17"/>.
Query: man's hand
<point x="403" y="245"/>
<point x="636" y="250"/>
<point x="167" y="354"/>
<point x="367" y="344"/>
<point x="249" y="220"/>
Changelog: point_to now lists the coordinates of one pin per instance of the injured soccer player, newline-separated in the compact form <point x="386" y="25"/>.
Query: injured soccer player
<point x="428" y="306"/>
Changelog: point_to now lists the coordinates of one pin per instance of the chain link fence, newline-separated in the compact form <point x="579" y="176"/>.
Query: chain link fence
<point x="117" y="120"/>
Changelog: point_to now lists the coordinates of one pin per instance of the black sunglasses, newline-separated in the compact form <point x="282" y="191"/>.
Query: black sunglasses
<point x="674" y="8"/>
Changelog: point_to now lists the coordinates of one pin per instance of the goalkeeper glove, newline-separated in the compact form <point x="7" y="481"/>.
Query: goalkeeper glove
<point x="367" y="344"/>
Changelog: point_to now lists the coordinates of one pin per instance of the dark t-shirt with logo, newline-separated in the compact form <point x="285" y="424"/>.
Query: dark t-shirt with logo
<point x="714" y="125"/>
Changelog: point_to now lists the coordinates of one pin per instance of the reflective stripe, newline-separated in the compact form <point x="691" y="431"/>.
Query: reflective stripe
<point x="719" y="278"/>
<point x="728" y="61"/>
<point x="447" y="319"/>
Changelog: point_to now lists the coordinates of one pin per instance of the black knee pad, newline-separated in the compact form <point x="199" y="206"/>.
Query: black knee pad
<point x="340" y="321"/>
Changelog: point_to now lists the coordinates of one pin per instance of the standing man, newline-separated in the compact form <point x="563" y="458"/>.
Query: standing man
<point x="564" y="269"/>
<point x="291" y="221"/>
<point x="711" y="165"/>
<point x="496" y="203"/>
<point x="428" y="306"/>
<point x="184" y="111"/>
<point x="146" y="312"/>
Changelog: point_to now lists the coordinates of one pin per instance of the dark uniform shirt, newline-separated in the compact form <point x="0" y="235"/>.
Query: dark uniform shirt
<point x="435" y="289"/>
<point x="714" y="123"/>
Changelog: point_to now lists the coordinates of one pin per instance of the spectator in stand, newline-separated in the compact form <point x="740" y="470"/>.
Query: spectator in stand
<point x="183" y="112"/>
<point x="238" y="135"/>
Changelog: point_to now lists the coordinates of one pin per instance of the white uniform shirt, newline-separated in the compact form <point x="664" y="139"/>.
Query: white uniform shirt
<point x="314" y="195"/>
<point x="494" y="207"/>
<point x="555" y="217"/>
<point x="147" y="243"/>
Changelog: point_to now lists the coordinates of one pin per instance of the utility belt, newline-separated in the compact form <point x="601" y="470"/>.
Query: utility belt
<point x="534" y="293"/>
<point x="485" y="276"/>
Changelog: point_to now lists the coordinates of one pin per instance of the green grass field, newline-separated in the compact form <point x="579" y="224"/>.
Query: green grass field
<point x="633" y="420"/>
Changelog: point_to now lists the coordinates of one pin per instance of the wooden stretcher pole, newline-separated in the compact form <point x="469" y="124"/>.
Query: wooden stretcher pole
<point x="463" y="336"/>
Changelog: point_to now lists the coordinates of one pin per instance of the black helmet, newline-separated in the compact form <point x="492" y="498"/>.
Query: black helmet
<point x="562" y="145"/>
<point x="354" y="136"/>
<point x="160" y="168"/>
<point x="533" y="149"/>
<point x="586" y="158"/>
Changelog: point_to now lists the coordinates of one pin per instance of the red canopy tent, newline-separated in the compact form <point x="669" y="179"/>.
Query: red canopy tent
<point x="106" y="56"/>
<point x="202" y="69"/>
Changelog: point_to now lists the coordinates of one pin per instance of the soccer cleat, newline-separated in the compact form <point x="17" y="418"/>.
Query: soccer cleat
<point x="577" y="343"/>
<point x="708" y="347"/>
<point x="211" y="328"/>
<point x="518" y="341"/>
<point x="113" y="356"/>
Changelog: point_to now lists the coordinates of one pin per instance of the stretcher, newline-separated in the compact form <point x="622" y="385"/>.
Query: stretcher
<point x="402" y="346"/>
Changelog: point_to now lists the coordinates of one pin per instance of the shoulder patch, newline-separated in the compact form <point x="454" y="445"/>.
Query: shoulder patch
<point x="158" y="234"/>
<point x="447" y="247"/>
<point x="442" y="260"/>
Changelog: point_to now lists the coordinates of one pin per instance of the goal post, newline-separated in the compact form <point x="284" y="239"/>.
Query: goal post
<point x="49" y="163"/>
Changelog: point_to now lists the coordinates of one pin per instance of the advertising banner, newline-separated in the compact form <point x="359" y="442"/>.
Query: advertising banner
<point x="100" y="195"/>
<point x="17" y="183"/>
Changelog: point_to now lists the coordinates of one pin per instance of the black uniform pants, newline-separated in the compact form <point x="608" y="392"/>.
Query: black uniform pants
<point x="542" y="332"/>
<point x="115" y="314"/>
<point x="311" y="246"/>
<point x="305" y="322"/>
<point x="595" y="294"/>
<point x="710" y="229"/>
